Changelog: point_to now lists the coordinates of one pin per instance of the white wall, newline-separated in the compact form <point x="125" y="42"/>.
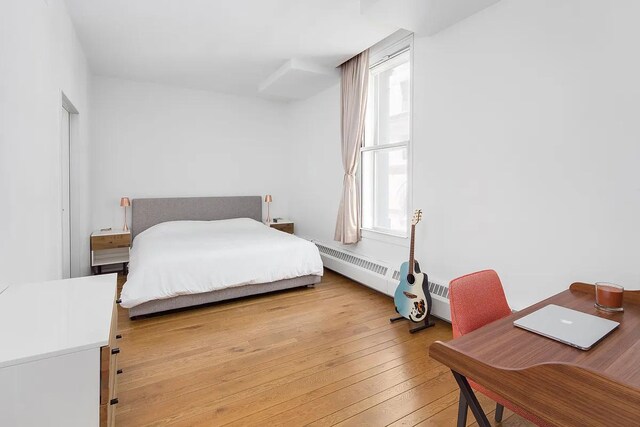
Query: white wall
<point x="526" y="145"/>
<point x="151" y="140"/>
<point x="40" y="58"/>
<point x="315" y="130"/>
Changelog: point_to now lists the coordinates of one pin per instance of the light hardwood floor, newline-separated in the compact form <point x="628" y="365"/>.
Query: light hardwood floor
<point x="322" y="356"/>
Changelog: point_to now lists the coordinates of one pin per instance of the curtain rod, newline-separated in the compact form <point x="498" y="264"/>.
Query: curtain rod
<point x="390" y="56"/>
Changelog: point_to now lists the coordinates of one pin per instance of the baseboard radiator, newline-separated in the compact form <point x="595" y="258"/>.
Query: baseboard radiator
<point x="379" y="276"/>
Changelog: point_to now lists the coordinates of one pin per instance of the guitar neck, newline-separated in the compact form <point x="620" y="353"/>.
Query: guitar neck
<point x="411" y="260"/>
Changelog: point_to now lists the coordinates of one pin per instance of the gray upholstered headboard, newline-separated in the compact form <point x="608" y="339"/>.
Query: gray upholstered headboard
<point x="149" y="212"/>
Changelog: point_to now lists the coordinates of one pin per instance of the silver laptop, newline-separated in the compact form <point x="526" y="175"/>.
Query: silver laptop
<point x="571" y="327"/>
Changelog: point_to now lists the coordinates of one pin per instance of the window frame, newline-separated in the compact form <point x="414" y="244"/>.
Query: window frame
<point x="378" y="58"/>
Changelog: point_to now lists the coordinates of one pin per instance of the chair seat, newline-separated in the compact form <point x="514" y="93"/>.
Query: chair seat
<point x="507" y="404"/>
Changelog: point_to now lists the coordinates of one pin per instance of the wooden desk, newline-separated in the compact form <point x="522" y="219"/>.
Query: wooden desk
<point x="560" y="384"/>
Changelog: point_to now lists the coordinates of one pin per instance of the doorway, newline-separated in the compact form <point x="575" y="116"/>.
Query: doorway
<point x="65" y="190"/>
<point x="68" y="135"/>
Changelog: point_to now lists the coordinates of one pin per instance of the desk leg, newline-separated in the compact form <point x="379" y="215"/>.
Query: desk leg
<point x="471" y="400"/>
<point x="462" y="411"/>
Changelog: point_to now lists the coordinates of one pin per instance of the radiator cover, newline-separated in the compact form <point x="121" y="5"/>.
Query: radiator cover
<point x="379" y="276"/>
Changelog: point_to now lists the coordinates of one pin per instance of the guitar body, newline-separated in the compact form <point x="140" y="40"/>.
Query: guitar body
<point x="412" y="297"/>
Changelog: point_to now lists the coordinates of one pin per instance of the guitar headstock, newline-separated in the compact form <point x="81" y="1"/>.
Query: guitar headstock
<point x="417" y="216"/>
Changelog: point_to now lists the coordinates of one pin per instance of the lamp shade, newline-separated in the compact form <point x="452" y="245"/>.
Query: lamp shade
<point x="125" y="201"/>
<point x="268" y="198"/>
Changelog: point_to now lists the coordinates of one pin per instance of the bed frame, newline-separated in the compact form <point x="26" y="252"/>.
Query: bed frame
<point x="149" y="212"/>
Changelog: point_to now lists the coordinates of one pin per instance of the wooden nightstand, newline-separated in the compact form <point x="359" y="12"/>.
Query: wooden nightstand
<point x="108" y="248"/>
<point x="283" y="225"/>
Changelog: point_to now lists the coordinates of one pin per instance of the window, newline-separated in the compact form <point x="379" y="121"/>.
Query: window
<point x="385" y="153"/>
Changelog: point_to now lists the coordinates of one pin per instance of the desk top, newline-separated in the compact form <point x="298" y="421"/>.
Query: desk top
<point x="46" y="319"/>
<point x="561" y="384"/>
<point x="613" y="356"/>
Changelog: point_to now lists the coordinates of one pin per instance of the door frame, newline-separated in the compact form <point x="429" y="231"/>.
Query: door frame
<point x="67" y="264"/>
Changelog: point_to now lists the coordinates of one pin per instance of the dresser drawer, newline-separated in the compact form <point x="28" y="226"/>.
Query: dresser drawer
<point x="109" y="374"/>
<point x="105" y="374"/>
<point x="110" y="241"/>
<point x="287" y="228"/>
<point x="108" y="386"/>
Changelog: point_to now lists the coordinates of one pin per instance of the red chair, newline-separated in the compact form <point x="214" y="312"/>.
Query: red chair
<point x="478" y="299"/>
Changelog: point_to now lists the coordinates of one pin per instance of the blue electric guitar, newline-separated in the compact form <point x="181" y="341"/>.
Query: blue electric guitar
<point x="412" y="297"/>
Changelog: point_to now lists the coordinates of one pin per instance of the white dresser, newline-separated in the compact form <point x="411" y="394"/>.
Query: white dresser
<point x="58" y="353"/>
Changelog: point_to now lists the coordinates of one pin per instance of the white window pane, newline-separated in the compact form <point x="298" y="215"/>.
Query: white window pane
<point x="370" y="118"/>
<point x="368" y="188"/>
<point x="393" y="114"/>
<point x="388" y="102"/>
<point x="384" y="190"/>
<point x="384" y="169"/>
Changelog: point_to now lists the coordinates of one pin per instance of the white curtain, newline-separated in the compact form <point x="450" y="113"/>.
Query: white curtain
<point x="353" y="100"/>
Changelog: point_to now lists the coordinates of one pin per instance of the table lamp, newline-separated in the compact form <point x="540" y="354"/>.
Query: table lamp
<point x="124" y="202"/>
<point x="268" y="199"/>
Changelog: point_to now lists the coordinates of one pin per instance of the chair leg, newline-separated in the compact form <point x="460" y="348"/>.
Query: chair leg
<point x="499" y="412"/>
<point x="462" y="411"/>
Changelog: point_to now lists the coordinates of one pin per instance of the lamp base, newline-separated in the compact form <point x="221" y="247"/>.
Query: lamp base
<point x="125" y="227"/>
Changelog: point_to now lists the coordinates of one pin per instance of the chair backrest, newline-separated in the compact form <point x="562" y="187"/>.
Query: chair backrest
<point x="476" y="300"/>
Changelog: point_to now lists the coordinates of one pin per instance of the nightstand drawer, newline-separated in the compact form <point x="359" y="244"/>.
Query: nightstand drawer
<point x="287" y="227"/>
<point x="110" y="241"/>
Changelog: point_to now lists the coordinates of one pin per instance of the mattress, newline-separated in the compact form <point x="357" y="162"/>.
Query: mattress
<point x="192" y="257"/>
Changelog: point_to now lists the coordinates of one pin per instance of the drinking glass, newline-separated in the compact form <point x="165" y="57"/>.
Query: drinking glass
<point x="609" y="296"/>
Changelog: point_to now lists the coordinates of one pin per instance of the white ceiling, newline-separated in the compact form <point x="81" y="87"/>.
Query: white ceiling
<point x="298" y="79"/>
<point x="423" y="17"/>
<point x="230" y="46"/>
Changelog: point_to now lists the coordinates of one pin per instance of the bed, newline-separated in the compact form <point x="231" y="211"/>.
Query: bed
<point x="197" y="250"/>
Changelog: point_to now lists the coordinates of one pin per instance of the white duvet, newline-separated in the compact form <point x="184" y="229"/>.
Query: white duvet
<point x="187" y="257"/>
